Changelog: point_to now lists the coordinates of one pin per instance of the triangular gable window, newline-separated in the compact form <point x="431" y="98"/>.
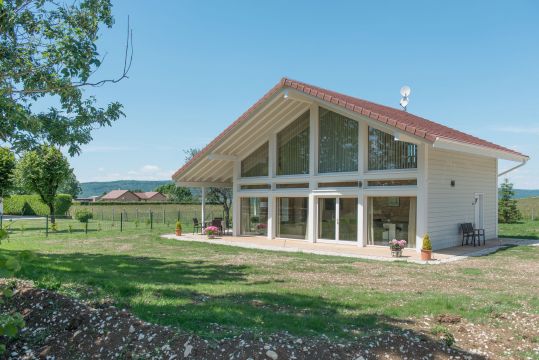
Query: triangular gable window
<point x="256" y="164"/>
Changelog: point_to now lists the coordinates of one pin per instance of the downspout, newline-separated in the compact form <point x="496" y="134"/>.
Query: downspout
<point x="514" y="167"/>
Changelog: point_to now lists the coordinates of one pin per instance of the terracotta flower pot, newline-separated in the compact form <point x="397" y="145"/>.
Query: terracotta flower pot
<point x="178" y="232"/>
<point x="426" y="255"/>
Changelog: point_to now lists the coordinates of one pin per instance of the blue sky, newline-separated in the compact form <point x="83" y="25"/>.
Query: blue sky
<point x="472" y="65"/>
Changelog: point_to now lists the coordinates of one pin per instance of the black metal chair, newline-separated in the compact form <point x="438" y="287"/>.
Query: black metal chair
<point x="467" y="233"/>
<point x="218" y="223"/>
<point x="196" y="226"/>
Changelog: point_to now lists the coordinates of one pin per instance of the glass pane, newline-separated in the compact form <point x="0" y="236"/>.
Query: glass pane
<point x="254" y="216"/>
<point x="327" y="218"/>
<point x="338" y="143"/>
<point x="256" y="164"/>
<point x="348" y="219"/>
<point x="391" y="218"/>
<point x="386" y="153"/>
<point x="293" y="147"/>
<point x="292" y="217"/>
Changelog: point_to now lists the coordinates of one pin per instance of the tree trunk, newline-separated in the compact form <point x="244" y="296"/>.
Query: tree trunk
<point x="51" y="211"/>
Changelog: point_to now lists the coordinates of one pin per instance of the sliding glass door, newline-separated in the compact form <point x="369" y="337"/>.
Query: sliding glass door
<point x="337" y="219"/>
<point x="391" y="218"/>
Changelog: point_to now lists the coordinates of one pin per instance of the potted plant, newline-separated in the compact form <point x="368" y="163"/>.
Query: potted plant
<point x="178" y="228"/>
<point x="426" y="248"/>
<point x="211" y="231"/>
<point x="396" y="247"/>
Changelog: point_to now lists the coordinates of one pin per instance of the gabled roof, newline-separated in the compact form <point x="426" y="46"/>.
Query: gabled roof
<point x="147" y="195"/>
<point x="114" y="194"/>
<point x="403" y="121"/>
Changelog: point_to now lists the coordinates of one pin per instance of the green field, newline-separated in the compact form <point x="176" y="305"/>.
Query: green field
<point x="161" y="213"/>
<point x="217" y="291"/>
<point x="529" y="207"/>
<point x="522" y="230"/>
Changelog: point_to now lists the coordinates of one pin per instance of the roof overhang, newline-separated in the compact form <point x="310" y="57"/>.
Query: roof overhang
<point x="452" y="145"/>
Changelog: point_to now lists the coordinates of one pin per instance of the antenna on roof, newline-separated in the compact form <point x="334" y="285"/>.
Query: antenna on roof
<point x="405" y="93"/>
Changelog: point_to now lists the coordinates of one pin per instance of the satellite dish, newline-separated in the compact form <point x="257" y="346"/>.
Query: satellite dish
<point x="405" y="91"/>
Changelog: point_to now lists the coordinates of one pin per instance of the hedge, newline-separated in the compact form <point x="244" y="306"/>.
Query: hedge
<point x="32" y="205"/>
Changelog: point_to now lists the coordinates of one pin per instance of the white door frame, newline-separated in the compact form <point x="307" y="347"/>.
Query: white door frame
<point x="337" y="217"/>
<point x="479" y="210"/>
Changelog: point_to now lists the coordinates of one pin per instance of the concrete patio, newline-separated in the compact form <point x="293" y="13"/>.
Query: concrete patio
<point x="370" y="252"/>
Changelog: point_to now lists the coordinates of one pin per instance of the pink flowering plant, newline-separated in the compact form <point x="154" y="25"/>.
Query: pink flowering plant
<point x="211" y="230"/>
<point x="261" y="226"/>
<point x="396" y="245"/>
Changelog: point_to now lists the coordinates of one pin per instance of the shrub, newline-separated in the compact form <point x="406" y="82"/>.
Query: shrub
<point x="32" y="205"/>
<point x="178" y="225"/>
<point x="426" y="242"/>
<point x="84" y="216"/>
<point x="444" y="334"/>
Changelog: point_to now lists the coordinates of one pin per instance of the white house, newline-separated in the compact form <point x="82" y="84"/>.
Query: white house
<point x="313" y="164"/>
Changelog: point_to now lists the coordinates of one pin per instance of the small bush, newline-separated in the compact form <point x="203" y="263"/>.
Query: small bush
<point x="84" y="216"/>
<point x="426" y="242"/>
<point x="178" y="225"/>
<point x="444" y="334"/>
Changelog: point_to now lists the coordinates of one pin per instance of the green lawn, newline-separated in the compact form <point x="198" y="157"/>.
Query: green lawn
<point x="526" y="229"/>
<point x="218" y="290"/>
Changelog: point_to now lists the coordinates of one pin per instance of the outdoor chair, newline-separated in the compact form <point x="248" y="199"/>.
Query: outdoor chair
<point x="196" y="226"/>
<point x="479" y="233"/>
<point x="468" y="231"/>
<point x="218" y="223"/>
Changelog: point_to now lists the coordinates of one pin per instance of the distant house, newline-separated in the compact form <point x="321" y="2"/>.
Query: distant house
<point x="88" y="199"/>
<point x="126" y="195"/>
<point x="151" y="196"/>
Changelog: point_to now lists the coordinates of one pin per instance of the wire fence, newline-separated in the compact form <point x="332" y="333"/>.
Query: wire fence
<point x="109" y="219"/>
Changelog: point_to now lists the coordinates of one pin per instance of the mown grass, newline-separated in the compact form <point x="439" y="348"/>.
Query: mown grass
<point x="217" y="291"/>
<point x="526" y="229"/>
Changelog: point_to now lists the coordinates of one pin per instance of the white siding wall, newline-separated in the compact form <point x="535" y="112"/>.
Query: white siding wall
<point x="449" y="206"/>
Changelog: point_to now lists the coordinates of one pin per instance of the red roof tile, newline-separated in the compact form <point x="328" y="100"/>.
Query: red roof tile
<point x="402" y="120"/>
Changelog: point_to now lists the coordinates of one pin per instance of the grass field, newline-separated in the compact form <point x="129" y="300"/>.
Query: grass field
<point x="529" y="207"/>
<point x="162" y="213"/>
<point x="216" y="291"/>
<point x="526" y="229"/>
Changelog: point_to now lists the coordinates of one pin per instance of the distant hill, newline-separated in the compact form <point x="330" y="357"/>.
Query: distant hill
<point x="525" y="193"/>
<point x="99" y="187"/>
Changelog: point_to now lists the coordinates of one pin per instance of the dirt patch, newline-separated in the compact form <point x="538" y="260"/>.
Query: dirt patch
<point x="58" y="327"/>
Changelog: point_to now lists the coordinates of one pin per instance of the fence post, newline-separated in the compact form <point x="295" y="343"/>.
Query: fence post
<point x="112" y="215"/>
<point x="121" y="221"/>
<point x="151" y="220"/>
<point x="46" y="225"/>
<point x="137" y="214"/>
<point x="178" y="215"/>
<point x="86" y="227"/>
<point x="164" y="213"/>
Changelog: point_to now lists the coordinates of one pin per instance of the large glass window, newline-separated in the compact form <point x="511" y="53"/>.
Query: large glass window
<point x="337" y="143"/>
<point x="293" y="147"/>
<point x="386" y="153"/>
<point x="254" y="216"/>
<point x="391" y="218"/>
<point x="256" y="164"/>
<point x="292" y="217"/>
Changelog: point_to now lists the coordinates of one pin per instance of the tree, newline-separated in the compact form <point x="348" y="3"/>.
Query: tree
<point x="49" y="56"/>
<point x="42" y="171"/>
<point x="70" y="185"/>
<point x="7" y="167"/>
<point x="508" y="211"/>
<point x="216" y="195"/>
<point x="175" y="193"/>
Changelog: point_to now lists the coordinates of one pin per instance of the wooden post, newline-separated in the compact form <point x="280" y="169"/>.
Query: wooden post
<point x="121" y="222"/>
<point x="46" y="225"/>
